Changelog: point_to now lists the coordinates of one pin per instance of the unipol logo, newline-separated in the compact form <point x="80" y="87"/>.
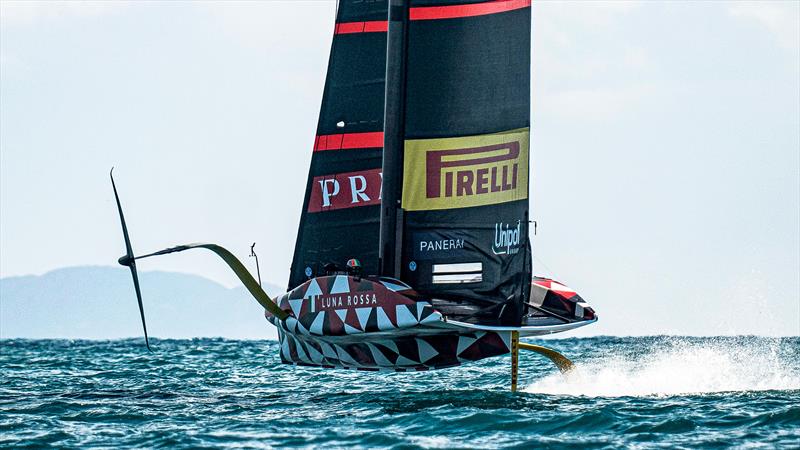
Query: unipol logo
<point x="345" y="190"/>
<point x="507" y="238"/>
<point x="465" y="171"/>
<point x="472" y="171"/>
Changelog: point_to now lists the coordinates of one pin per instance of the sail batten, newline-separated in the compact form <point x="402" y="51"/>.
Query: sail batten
<point x="373" y="26"/>
<point x="345" y="141"/>
<point x="466" y="10"/>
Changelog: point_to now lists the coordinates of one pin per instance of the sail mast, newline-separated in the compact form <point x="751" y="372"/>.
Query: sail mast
<point x="391" y="227"/>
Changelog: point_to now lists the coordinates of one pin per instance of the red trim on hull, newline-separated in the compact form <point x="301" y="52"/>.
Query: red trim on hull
<point x="469" y="10"/>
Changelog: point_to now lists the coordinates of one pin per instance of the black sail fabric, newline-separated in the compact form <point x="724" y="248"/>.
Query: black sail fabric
<point x="465" y="158"/>
<point x="341" y="211"/>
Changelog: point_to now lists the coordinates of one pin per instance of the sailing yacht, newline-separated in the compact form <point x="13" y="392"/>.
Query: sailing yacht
<point x="413" y="249"/>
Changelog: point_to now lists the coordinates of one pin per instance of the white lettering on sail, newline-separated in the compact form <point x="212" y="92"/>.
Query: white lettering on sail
<point x="506" y="239"/>
<point x="326" y="194"/>
<point x="439" y="245"/>
<point x="358" y="192"/>
<point x="345" y="190"/>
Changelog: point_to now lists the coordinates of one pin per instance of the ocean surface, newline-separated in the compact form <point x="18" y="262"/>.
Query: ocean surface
<point x="650" y="392"/>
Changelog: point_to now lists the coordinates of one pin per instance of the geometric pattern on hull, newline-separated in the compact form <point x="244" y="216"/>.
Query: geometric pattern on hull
<point x="556" y="297"/>
<point x="341" y="305"/>
<point x="396" y="353"/>
<point x="373" y="323"/>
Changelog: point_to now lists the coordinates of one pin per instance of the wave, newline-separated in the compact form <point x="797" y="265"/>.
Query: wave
<point x="680" y="366"/>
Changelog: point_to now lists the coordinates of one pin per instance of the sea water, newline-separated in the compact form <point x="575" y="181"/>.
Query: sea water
<point x="642" y="392"/>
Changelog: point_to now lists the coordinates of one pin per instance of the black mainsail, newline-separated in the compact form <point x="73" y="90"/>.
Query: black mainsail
<point x="455" y="172"/>
<point x="340" y="217"/>
<point x="465" y="161"/>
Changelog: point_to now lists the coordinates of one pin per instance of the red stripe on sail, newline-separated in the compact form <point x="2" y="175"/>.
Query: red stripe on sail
<point x="469" y="10"/>
<point x="375" y="26"/>
<point x="349" y="140"/>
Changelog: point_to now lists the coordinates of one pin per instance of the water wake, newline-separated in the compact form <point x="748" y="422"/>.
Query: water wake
<point x="679" y="366"/>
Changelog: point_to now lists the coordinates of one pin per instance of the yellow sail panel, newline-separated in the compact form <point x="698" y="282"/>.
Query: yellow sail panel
<point x="461" y="172"/>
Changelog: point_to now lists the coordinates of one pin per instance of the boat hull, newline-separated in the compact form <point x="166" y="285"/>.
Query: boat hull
<point x="341" y="321"/>
<point x="402" y="352"/>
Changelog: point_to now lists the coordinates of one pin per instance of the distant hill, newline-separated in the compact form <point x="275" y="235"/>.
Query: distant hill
<point x="100" y="303"/>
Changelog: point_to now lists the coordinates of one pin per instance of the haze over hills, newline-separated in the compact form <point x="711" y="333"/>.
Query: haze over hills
<point x="99" y="303"/>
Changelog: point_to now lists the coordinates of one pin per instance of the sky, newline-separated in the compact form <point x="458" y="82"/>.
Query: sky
<point x="665" y="146"/>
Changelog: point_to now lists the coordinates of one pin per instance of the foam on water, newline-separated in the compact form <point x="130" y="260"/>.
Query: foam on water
<point x="678" y="366"/>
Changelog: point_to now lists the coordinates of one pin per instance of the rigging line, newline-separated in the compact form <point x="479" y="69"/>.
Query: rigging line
<point x="536" y="259"/>
<point x="253" y="255"/>
<point x="552" y="272"/>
